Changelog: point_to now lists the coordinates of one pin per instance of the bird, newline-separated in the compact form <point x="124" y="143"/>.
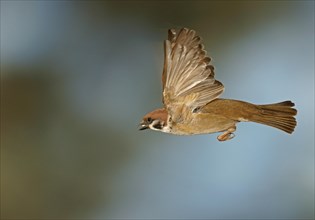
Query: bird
<point x="191" y="96"/>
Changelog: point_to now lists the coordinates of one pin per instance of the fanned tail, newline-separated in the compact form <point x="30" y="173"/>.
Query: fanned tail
<point x="279" y="115"/>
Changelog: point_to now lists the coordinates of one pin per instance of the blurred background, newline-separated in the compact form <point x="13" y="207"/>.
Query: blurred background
<point x="77" y="77"/>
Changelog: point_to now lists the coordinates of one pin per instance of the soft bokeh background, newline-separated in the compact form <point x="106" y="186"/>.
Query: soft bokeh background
<point x="76" y="78"/>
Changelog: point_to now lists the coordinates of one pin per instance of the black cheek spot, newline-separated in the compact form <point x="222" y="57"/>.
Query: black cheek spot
<point x="158" y="126"/>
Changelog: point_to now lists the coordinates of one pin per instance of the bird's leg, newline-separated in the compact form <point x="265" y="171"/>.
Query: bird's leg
<point x="227" y="135"/>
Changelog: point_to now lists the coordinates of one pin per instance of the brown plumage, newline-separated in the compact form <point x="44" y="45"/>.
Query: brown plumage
<point x="279" y="115"/>
<point x="191" y="96"/>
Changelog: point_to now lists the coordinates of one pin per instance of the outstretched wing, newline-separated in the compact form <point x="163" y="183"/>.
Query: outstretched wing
<point x="188" y="78"/>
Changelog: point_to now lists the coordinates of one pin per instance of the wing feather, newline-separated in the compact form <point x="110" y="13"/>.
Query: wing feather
<point x="188" y="78"/>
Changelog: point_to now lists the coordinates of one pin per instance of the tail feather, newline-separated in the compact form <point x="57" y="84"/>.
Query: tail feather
<point x="279" y="115"/>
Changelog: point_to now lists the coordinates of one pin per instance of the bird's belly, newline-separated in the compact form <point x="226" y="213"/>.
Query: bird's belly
<point x="203" y="123"/>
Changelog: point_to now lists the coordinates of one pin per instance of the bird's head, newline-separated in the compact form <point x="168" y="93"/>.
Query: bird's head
<point x="155" y="120"/>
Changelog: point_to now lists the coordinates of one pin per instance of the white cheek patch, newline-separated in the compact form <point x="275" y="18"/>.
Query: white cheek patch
<point x="165" y="129"/>
<point x="153" y="128"/>
<point x="153" y="124"/>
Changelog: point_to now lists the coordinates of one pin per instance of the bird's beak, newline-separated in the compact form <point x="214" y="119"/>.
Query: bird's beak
<point x="143" y="126"/>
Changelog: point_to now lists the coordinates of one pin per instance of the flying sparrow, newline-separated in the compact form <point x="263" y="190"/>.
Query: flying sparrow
<point x="190" y="96"/>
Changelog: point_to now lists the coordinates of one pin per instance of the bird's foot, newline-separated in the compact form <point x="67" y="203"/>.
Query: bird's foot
<point x="227" y="135"/>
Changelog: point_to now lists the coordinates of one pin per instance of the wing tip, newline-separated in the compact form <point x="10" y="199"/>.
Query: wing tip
<point x="172" y="34"/>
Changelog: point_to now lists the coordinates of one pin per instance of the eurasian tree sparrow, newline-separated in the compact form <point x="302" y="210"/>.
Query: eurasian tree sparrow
<point x="190" y="96"/>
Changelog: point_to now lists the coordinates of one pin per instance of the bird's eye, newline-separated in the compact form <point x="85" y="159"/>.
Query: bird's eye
<point x="149" y="119"/>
